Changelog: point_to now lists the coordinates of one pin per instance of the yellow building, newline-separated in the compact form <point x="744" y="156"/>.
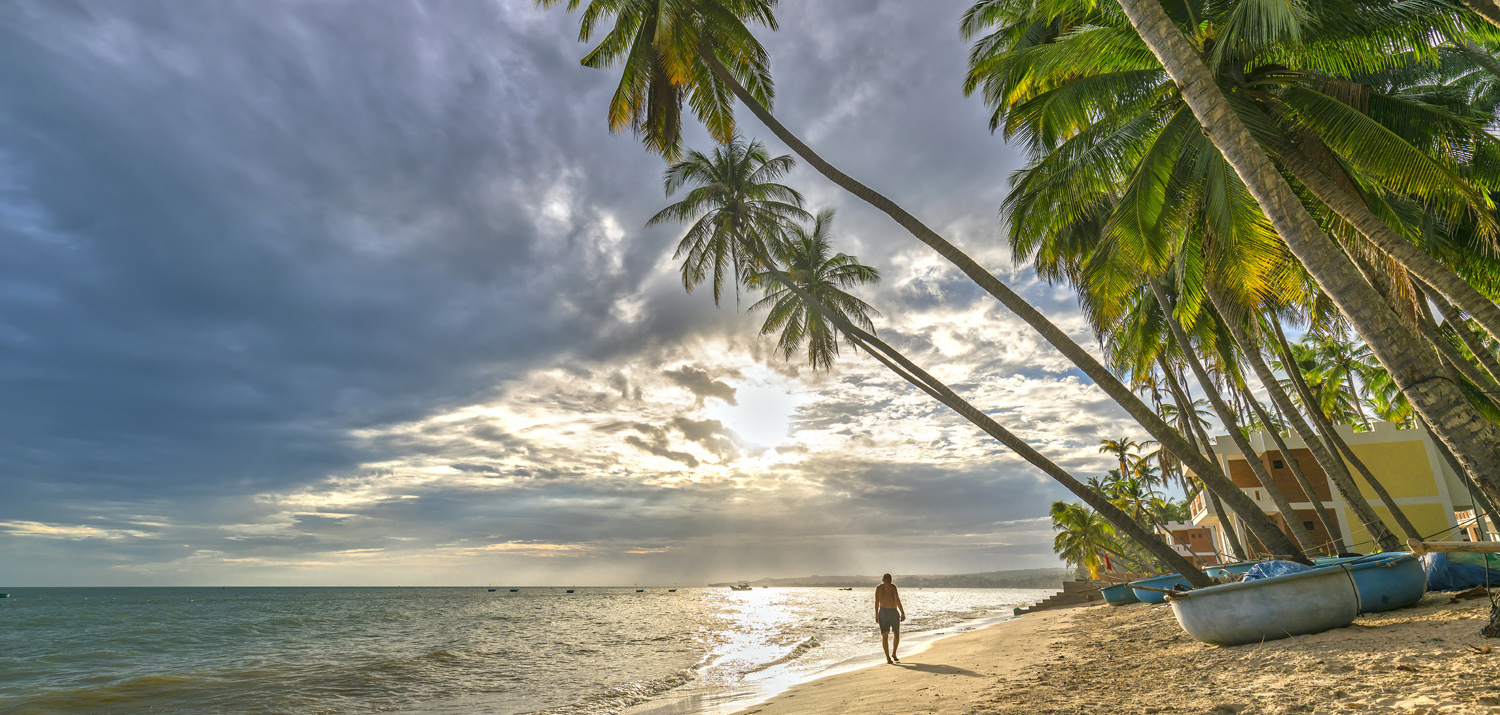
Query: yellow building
<point x="1405" y="461"/>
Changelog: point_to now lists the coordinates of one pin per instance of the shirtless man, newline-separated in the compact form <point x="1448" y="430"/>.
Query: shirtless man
<point x="889" y="614"/>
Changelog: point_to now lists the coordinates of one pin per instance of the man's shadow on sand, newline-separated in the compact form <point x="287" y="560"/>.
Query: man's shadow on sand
<point x="939" y="669"/>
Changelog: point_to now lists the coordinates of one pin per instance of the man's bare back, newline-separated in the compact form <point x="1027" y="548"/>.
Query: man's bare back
<point x="889" y="613"/>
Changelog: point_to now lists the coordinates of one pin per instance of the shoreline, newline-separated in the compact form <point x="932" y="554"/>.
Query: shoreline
<point x="1424" y="660"/>
<point x="732" y="702"/>
<point x="942" y="675"/>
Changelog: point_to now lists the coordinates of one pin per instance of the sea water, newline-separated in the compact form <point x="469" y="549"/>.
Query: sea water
<point x="598" y="651"/>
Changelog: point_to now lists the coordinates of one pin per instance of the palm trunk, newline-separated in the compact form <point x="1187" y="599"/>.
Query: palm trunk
<point x="1473" y="342"/>
<point x="1450" y="354"/>
<point x="1488" y="9"/>
<point x="1231" y="424"/>
<point x="1333" y="468"/>
<point x="1353" y="210"/>
<point x="1480" y="503"/>
<point x="1411" y="364"/>
<point x="898" y="363"/>
<point x="1291" y="463"/>
<point x="1159" y="430"/>
<point x="1183" y="398"/>
<point x="909" y="371"/>
<point x="1356" y="500"/>
<point x="1330" y="525"/>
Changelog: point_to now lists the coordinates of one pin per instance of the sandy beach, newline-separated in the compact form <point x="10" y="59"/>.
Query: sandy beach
<point x="1136" y="659"/>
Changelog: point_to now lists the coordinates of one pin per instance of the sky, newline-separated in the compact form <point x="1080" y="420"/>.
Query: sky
<point x="350" y="293"/>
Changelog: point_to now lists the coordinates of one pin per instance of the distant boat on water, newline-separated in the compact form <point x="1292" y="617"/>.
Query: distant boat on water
<point x="514" y="590"/>
<point x="6" y="595"/>
<point x="640" y="590"/>
<point x="570" y="590"/>
<point x="741" y="586"/>
<point x="492" y="590"/>
<point x="671" y="590"/>
<point x="847" y="588"/>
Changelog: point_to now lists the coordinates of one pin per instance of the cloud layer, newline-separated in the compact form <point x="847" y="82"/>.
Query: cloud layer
<point x="359" y="293"/>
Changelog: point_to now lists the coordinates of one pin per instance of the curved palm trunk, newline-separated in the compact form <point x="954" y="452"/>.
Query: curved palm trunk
<point x="1488" y="9"/>
<point x="1122" y="521"/>
<point x="1183" y="398"/>
<point x="1471" y="341"/>
<point x="1481" y="503"/>
<point x="1231" y="424"/>
<point x="1352" y="495"/>
<point x="1414" y="368"/>
<point x="1159" y="430"/>
<point x="1291" y="463"/>
<point x="1353" y="210"/>
<point x="1335" y="538"/>
<point x="1450" y="354"/>
<point x="915" y="375"/>
<point x="1333" y="467"/>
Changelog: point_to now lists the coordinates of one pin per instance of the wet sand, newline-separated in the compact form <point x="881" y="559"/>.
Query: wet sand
<point x="1136" y="659"/>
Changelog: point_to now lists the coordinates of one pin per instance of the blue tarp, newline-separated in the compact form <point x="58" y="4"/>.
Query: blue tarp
<point x="1445" y="574"/>
<point x="1272" y="569"/>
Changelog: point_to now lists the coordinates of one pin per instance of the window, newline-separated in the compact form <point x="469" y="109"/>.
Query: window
<point x="1307" y="525"/>
<point x="1276" y="464"/>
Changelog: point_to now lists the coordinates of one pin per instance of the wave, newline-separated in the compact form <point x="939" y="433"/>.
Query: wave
<point x="800" y="650"/>
<point x="619" y="697"/>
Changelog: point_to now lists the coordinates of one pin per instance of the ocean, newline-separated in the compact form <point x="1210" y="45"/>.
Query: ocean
<point x="328" y="651"/>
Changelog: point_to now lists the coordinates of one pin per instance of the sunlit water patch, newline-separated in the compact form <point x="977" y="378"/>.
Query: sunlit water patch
<point x="444" y="650"/>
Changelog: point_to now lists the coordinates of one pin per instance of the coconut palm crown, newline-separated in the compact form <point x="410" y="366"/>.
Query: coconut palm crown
<point x="739" y="208"/>
<point x="807" y="258"/>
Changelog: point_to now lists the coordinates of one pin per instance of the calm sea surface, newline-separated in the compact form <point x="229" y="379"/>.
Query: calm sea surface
<point x="444" y="650"/>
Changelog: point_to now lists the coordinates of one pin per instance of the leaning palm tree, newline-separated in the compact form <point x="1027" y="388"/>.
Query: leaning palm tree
<point x="806" y="257"/>
<point x="649" y="38"/>
<point x="1398" y="347"/>
<point x="735" y="201"/>
<point x="808" y="270"/>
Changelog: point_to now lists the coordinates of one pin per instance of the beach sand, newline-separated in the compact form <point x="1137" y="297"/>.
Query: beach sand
<point x="1136" y="659"/>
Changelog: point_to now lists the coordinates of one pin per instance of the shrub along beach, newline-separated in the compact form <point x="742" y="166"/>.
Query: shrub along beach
<point x="1276" y="216"/>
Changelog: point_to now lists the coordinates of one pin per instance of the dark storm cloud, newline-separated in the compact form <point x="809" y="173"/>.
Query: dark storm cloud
<point x="700" y="383"/>
<point x="243" y="245"/>
<point x="236" y="231"/>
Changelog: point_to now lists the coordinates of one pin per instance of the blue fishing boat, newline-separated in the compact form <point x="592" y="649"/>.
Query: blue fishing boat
<point x="1267" y="609"/>
<point x="1168" y="582"/>
<point x="1387" y="582"/>
<point x="1119" y="594"/>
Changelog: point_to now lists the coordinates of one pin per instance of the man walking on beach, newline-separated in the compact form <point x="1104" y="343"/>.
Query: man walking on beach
<point x="889" y="614"/>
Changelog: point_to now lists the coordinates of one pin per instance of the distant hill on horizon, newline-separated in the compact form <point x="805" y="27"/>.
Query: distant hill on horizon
<point x="1018" y="578"/>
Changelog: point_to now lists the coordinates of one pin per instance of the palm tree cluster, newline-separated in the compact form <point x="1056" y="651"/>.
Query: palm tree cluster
<point x="1204" y="175"/>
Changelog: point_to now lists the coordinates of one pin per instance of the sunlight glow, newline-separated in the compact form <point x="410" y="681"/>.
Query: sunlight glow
<point x="763" y="415"/>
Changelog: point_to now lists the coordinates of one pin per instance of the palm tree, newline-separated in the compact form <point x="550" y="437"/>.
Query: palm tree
<point x="807" y="269"/>
<point x="1121" y="449"/>
<point x="1082" y="538"/>
<point x="736" y="201"/>
<point x="640" y="27"/>
<point x="657" y="43"/>
<point x="805" y="258"/>
<point x="1398" y="347"/>
<point x="1133" y="87"/>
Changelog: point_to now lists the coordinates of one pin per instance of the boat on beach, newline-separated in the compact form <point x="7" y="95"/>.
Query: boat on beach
<point x="1166" y="582"/>
<point x="1119" y="594"/>
<point x="1269" y="609"/>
